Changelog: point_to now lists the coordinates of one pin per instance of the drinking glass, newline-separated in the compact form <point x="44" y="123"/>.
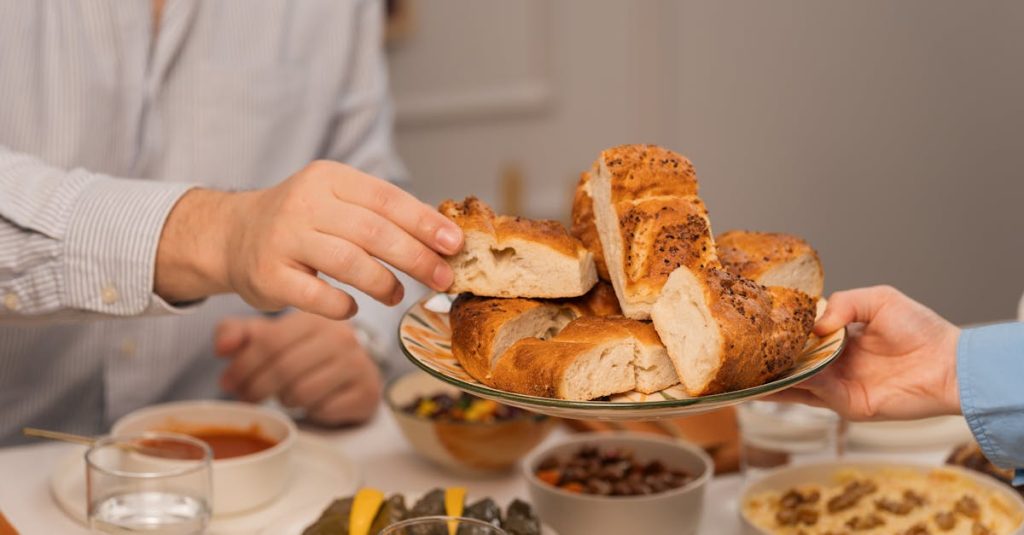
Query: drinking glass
<point x="442" y="525"/>
<point x="777" y="434"/>
<point x="149" y="483"/>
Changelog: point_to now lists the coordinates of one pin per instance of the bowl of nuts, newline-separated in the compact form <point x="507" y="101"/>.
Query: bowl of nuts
<point x="869" y="498"/>
<point x="619" y="483"/>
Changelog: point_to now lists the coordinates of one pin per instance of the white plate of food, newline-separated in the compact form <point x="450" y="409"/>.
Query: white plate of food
<point x="869" y="498"/>
<point x="333" y="518"/>
<point x="681" y="322"/>
<point x="318" y="469"/>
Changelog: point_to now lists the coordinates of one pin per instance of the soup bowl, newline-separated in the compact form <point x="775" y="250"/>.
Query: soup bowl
<point x="247" y="481"/>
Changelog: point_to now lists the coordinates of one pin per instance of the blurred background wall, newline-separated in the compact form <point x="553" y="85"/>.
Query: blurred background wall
<point x="889" y="134"/>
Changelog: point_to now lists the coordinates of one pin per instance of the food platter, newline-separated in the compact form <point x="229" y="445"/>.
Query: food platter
<point x="424" y="335"/>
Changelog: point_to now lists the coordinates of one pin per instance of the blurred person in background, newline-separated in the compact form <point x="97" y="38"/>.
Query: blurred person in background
<point x="125" y="129"/>
<point x="903" y="361"/>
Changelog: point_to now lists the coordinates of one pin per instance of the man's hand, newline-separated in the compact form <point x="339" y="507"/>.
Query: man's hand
<point x="268" y="245"/>
<point x="306" y="360"/>
<point x="899" y="363"/>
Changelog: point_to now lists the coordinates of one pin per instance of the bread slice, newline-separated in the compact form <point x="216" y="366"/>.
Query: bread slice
<point x="583" y="226"/>
<point x="516" y="257"/>
<point x="599" y="301"/>
<point x="484" y="328"/>
<point x="772" y="259"/>
<point x="649" y="220"/>
<point x="592" y="357"/>
<point x="724" y="332"/>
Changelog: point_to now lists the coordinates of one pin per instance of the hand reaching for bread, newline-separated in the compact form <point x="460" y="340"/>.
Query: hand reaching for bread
<point x="722" y="321"/>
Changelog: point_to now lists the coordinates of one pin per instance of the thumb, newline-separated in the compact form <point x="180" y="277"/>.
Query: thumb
<point x="852" y="306"/>
<point x="231" y="335"/>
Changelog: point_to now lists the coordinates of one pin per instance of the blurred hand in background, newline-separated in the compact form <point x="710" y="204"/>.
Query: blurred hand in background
<point x="304" y="360"/>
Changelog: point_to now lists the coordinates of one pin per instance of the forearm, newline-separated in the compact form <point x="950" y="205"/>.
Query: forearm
<point x="990" y="368"/>
<point x="77" y="242"/>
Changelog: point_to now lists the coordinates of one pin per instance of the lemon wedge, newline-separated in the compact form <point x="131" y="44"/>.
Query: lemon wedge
<point x="364" y="509"/>
<point x="454" y="501"/>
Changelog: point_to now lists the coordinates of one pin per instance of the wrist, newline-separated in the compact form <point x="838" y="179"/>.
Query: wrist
<point x="191" y="257"/>
<point x="950" y="397"/>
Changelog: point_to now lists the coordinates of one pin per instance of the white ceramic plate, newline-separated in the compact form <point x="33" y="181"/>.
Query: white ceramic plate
<point x="319" y="470"/>
<point x="424" y="335"/>
<point x="294" y="522"/>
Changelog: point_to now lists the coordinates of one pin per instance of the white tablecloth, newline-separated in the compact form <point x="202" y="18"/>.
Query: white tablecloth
<point x="386" y="460"/>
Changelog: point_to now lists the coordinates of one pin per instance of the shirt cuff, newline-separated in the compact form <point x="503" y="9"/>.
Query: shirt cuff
<point x="111" y="243"/>
<point x="990" y="363"/>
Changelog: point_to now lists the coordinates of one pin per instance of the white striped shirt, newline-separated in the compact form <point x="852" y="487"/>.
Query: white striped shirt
<point x="103" y="127"/>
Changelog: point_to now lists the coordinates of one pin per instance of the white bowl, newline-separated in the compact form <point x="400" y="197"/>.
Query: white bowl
<point x="674" y="512"/>
<point x="239" y="483"/>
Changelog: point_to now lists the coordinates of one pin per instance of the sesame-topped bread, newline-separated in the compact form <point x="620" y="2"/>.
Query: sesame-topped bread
<point x="724" y="332"/>
<point x="508" y="256"/>
<point x="772" y="259"/>
<point x="649" y="220"/>
<point x="484" y="327"/>
<point x="599" y="301"/>
<point x="583" y="226"/>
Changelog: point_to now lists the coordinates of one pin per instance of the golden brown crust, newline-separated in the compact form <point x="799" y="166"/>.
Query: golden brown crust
<point x="583" y="226"/>
<point x="661" y="235"/>
<point x="763" y="329"/>
<point x="536" y="367"/>
<point x="472" y="214"/>
<point x="599" y="301"/>
<point x="642" y="171"/>
<point x="475" y="322"/>
<point x="749" y="253"/>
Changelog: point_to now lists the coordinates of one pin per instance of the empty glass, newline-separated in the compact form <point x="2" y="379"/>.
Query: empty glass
<point x="151" y="483"/>
<point x="777" y="434"/>
<point x="442" y="525"/>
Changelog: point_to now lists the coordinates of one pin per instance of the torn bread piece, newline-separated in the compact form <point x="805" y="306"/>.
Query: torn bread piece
<point x="649" y="220"/>
<point x="483" y="328"/>
<point x="583" y="225"/>
<point x="772" y="259"/>
<point x="724" y="332"/>
<point x="508" y="256"/>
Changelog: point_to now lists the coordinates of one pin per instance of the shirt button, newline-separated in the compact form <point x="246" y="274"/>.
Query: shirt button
<point x="109" y="295"/>
<point x="11" y="302"/>
<point x="128" y="348"/>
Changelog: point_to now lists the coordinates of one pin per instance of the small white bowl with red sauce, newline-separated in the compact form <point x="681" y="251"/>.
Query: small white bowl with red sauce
<point x="251" y="446"/>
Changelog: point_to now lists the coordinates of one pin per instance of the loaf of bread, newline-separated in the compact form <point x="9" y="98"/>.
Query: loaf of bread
<point x="591" y="358"/>
<point x="599" y="301"/>
<point x="583" y="226"/>
<point x="772" y="259"/>
<point x="724" y="332"/>
<point x="649" y="221"/>
<point x="515" y="257"/>
<point x="483" y="328"/>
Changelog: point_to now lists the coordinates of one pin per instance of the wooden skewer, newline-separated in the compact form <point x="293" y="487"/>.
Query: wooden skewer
<point x="57" y="435"/>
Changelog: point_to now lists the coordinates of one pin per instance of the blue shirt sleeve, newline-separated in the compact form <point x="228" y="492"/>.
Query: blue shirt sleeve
<point x="990" y="372"/>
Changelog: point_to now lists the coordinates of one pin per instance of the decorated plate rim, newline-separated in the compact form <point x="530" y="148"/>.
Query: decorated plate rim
<point x="487" y="391"/>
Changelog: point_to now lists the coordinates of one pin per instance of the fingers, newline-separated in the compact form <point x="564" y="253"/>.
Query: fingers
<point x="268" y="338"/>
<point x="347" y="405"/>
<point x="287" y="366"/>
<point x="420" y="220"/>
<point x="348" y="263"/>
<point x="794" y="395"/>
<point x="303" y="290"/>
<point x="853" y="306"/>
<point x="316" y="384"/>
<point x="230" y="336"/>
<point x="387" y="241"/>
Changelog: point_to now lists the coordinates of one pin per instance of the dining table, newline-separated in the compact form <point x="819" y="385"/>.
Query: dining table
<point x="385" y="461"/>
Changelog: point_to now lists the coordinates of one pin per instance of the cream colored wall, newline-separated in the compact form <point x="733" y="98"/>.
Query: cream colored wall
<point x="887" y="133"/>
